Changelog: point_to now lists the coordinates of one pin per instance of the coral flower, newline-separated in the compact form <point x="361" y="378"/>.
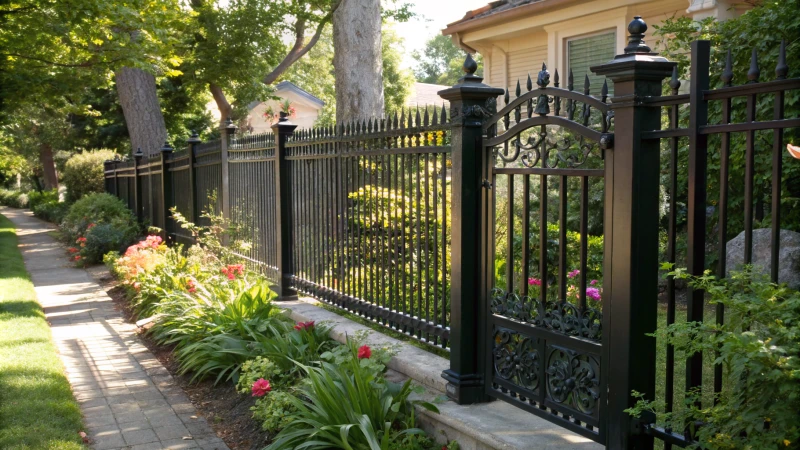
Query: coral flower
<point x="304" y="325"/>
<point x="91" y="225"/>
<point x="364" y="352"/>
<point x="190" y="286"/>
<point x="261" y="387"/>
<point x="73" y="250"/>
<point x="232" y="270"/>
<point x="81" y="240"/>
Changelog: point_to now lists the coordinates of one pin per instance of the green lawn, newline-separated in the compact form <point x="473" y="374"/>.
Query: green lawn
<point x="37" y="409"/>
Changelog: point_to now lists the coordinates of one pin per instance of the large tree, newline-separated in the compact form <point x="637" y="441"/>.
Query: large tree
<point x="357" y="60"/>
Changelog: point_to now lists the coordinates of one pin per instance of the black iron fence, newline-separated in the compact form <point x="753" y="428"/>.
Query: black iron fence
<point x="525" y="240"/>
<point x="355" y="215"/>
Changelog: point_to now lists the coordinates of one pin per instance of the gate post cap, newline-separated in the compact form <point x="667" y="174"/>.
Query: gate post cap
<point x="283" y="125"/>
<point x="166" y="148"/>
<point x="138" y="154"/>
<point x="194" y="138"/>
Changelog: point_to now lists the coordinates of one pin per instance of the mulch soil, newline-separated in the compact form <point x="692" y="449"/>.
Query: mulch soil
<point x="227" y="411"/>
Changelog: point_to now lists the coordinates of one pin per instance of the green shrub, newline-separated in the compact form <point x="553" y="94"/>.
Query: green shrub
<point x="275" y="411"/>
<point x="97" y="209"/>
<point x="52" y="211"/>
<point x="758" y="347"/>
<point x="36" y="198"/>
<point x="83" y="173"/>
<point x="102" y="239"/>
<point x="14" y="199"/>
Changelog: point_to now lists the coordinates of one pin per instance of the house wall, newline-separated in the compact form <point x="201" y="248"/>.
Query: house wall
<point x="516" y="48"/>
<point x="305" y="117"/>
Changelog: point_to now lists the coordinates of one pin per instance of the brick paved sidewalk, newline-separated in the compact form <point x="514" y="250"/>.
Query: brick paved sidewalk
<point x="128" y="399"/>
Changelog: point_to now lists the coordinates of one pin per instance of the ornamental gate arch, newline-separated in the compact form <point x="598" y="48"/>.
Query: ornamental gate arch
<point x="543" y="315"/>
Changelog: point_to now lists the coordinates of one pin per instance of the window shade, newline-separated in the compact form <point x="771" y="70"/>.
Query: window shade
<point x="586" y="52"/>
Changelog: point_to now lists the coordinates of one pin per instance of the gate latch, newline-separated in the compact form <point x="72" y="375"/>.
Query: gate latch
<point x="486" y="184"/>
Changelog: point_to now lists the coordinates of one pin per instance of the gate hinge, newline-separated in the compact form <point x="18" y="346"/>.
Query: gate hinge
<point x="486" y="184"/>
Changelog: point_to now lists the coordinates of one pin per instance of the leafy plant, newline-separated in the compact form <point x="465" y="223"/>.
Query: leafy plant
<point x="97" y="209"/>
<point x="758" y="348"/>
<point x="347" y="406"/>
<point x="36" y="198"/>
<point x="51" y="211"/>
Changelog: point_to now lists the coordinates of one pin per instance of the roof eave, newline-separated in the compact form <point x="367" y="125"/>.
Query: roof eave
<point x="470" y="24"/>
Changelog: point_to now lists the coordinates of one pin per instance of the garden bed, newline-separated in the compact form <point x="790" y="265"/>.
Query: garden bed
<point x="227" y="411"/>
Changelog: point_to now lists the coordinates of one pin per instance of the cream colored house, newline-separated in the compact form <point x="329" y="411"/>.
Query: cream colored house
<point x="307" y="108"/>
<point x="516" y="36"/>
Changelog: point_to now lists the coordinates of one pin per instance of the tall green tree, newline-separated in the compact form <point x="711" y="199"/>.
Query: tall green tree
<point x="441" y="62"/>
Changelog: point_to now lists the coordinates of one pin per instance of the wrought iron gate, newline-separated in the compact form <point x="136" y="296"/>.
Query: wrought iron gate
<point x="544" y="324"/>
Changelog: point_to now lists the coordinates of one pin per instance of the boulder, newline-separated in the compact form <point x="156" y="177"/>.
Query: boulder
<point x="788" y="261"/>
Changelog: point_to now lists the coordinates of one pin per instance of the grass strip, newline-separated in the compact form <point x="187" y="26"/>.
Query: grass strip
<point x="37" y="408"/>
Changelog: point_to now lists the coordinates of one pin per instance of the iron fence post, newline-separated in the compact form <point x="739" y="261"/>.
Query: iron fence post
<point x="193" y="141"/>
<point x="698" y="193"/>
<point x="630" y="294"/>
<point x="166" y="187"/>
<point x="282" y="130"/>
<point x="115" y="163"/>
<point x="471" y="102"/>
<point x="227" y="132"/>
<point x="137" y="185"/>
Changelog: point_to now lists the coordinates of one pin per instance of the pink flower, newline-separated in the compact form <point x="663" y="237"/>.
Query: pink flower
<point x="73" y="250"/>
<point x="574" y="273"/>
<point x="593" y="282"/>
<point x="534" y="282"/>
<point x="304" y="325"/>
<point x="593" y="293"/>
<point x="91" y="225"/>
<point x="190" y="286"/>
<point x="261" y="387"/>
<point x="364" y="352"/>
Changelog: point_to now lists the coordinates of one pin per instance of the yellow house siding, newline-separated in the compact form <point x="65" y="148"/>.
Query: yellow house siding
<point x="524" y="62"/>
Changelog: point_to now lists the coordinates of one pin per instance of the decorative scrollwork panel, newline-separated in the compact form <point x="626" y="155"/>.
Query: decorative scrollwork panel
<point x="559" y="316"/>
<point x="516" y="358"/>
<point x="573" y="380"/>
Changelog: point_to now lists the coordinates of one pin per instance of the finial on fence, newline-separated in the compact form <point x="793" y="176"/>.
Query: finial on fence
<point x="754" y="73"/>
<point x="674" y="82"/>
<point x="469" y="68"/>
<point x="782" y="69"/>
<point x="556" y="78"/>
<point x="636" y="44"/>
<point x="138" y="154"/>
<point x="166" y="148"/>
<point x="727" y="74"/>
<point x="544" y="77"/>
<point x="194" y="138"/>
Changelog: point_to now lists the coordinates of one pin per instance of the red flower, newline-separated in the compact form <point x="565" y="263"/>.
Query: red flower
<point x="261" y="387"/>
<point x="81" y="240"/>
<point x="73" y="250"/>
<point x="232" y="270"/>
<point x="76" y="258"/>
<point x="91" y="225"/>
<point x="364" y="352"/>
<point x="190" y="286"/>
<point x="304" y="325"/>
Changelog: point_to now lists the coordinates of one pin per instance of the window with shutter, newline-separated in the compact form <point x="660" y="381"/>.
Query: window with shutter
<point x="583" y="53"/>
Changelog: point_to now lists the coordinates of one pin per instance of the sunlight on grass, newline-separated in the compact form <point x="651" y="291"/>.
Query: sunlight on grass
<point x="37" y="409"/>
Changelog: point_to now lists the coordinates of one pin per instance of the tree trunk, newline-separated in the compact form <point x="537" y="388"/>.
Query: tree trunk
<point x="224" y="106"/>
<point x="48" y="167"/>
<point x="139" y="100"/>
<point x="357" y="60"/>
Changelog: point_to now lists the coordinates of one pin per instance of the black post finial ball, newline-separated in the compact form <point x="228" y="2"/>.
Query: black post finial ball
<point x="470" y="66"/>
<point x="637" y="25"/>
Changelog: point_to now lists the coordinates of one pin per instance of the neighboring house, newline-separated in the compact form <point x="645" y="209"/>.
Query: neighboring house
<point x="424" y="94"/>
<point x="307" y="108"/>
<point x="516" y="36"/>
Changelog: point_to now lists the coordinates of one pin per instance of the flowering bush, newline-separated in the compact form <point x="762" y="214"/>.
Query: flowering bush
<point x="97" y="224"/>
<point x="271" y="116"/>
<point x="594" y="290"/>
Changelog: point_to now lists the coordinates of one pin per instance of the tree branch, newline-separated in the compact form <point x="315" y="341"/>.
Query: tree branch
<point x="53" y="63"/>
<point x="298" y="50"/>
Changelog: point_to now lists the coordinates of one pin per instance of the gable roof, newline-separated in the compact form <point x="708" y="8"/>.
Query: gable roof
<point x="288" y="86"/>
<point x="500" y="11"/>
<point x="425" y="94"/>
